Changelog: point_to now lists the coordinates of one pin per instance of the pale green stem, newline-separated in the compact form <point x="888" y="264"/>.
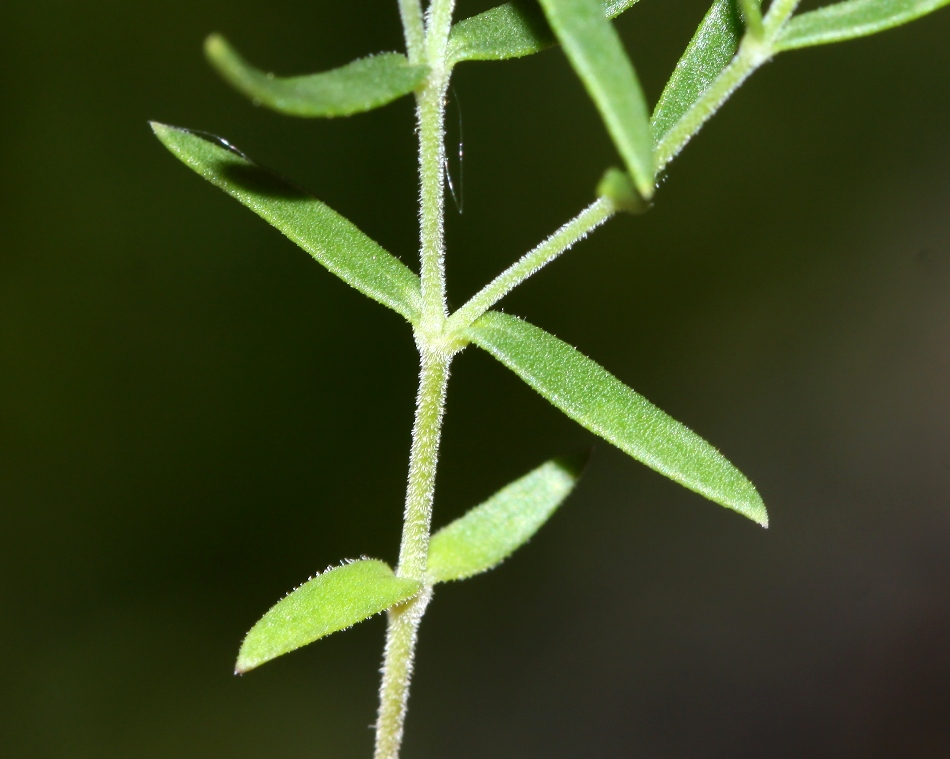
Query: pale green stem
<point x="779" y="12"/>
<point x="410" y="11"/>
<point x="404" y="620"/>
<point x="430" y="111"/>
<point x="752" y="16"/>
<point x="438" y="26"/>
<point x="435" y="357"/>
<point x="431" y="119"/>
<point x="753" y="52"/>
<point x="747" y="60"/>
<point x="423" y="458"/>
<point x="401" y="636"/>
<point x="572" y="232"/>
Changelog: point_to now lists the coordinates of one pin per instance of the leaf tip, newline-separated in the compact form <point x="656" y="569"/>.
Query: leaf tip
<point x="575" y="464"/>
<point x="755" y="510"/>
<point x="244" y="664"/>
<point x="166" y="133"/>
<point x="215" y="44"/>
<point x="219" y="52"/>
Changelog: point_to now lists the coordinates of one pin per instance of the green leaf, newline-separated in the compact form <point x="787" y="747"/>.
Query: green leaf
<point x="324" y="234"/>
<point x="335" y="600"/>
<point x="359" y="86"/>
<point x="597" y="55"/>
<point x="491" y="532"/>
<point x="854" y="18"/>
<point x="590" y="395"/>
<point x="512" y="30"/>
<point x="708" y="53"/>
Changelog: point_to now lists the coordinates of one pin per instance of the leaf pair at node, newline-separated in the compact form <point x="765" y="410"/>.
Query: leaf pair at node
<point x="720" y="34"/>
<point x="474" y="543"/>
<point x="575" y="384"/>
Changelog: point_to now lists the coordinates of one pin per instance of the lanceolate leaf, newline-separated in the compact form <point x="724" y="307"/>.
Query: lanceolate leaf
<point x="491" y="532"/>
<point x="709" y="52"/>
<point x="359" y="86"/>
<point x="511" y="30"/>
<point x="850" y="19"/>
<point x="314" y="226"/>
<point x="590" y="395"/>
<point x="597" y="55"/>
<point x="335" y="600"/>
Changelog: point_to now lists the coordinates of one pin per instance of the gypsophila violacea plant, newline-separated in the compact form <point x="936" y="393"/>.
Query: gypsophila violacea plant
<point x="733" y="40"/>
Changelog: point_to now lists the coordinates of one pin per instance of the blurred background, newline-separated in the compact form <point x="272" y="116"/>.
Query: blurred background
<point x="195" y="417"/>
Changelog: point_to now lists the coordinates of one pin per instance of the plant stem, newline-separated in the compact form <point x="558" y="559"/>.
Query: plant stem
<point x="401" y="635"/>
<point x="423" y="459"/>
<point x="435" y="354"/>
<point x="779" y="12"/>
<point x="404" y="620"/>
<point x="752" y="16"/>
<point x="410" y="11"/>
<point x="747" y="60"/>
<point x="755" y="50"/>
<point x="570" y="233"/>
<point x="431" y="114"/>
<point x="430" y="111"/>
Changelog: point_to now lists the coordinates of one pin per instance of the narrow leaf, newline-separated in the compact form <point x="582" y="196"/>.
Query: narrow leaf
<point x="359" y="86"/>
<point x="597" y="55"/>
<point x="850" y="19"/>
<point x="335" y="600"/>
<point x="491" y="532"/>
<point x="590" y="395"/>
<point x="324" y="234"/>
<point x="708" y="53"/>
<point x="512" y="30"/>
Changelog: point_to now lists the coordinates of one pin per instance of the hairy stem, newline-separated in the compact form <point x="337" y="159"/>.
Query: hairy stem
<point x="752" y="16"/>
<point x="401" y="635"/>
<point x="431" y="116"/>
<point x="423" y="459"/>
<point x="755" y="50"/>
<point x="410" y="11"/>
<point x="435" y="357"/>
<point x="779" y="12"/>
<point x="747" y="60"/>
<point x="570" y="233"/>
<point x="404" y="620"/>
<point x="430" y="111"/>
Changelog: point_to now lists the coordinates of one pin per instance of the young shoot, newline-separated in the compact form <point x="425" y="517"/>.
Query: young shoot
<point x="733" y="40"/>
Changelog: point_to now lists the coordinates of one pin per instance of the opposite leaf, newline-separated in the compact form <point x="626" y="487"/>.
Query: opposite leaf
<point x="322" y="232"/>
<point x="590" y="395"/>
<point x="709" y="52"/>
<point x="512" y="30"/>
<point x="597" y="55"/>
<point x="333" y="601"/>
<point x="359" y="86"/>
<point x="491" y="532"/>
<point x="850" y="19"/>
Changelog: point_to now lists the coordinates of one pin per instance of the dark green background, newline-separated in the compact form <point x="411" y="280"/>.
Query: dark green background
<point x="194" y="416"/>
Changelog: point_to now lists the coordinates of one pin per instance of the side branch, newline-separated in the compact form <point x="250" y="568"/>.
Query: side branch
<point x="410" y="11"/>
<point x="572" y="232"/>
<point x="756" y="49"/>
